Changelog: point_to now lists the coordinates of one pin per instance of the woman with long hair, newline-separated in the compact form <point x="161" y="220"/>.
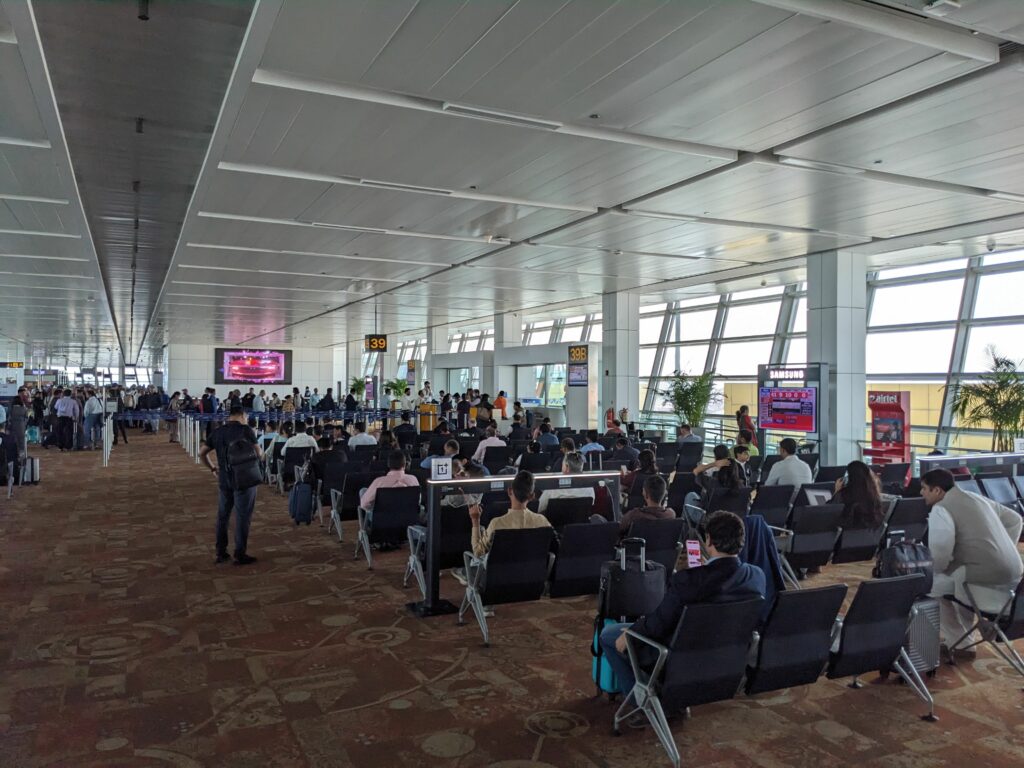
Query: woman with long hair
<point x="744" y="422"/>
<point x="648" y="466"/>
<point x="859" y="494"/>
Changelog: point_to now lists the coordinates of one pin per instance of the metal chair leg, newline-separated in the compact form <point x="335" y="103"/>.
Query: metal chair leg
<point x="905" y="667"/>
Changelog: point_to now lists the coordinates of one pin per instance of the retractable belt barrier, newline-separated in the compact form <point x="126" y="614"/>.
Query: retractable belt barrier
<point x="432" y="604"/>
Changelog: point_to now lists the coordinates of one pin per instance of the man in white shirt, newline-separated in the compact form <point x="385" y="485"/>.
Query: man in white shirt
<point x="259" y="402"/>
<point x="572" y="464"/>
<point x="301" y="439"/>
<point x="490" y="439"/>
<point x="360" y="437"/>
<point x="792" y="470"/>
<point x="93" y="413"/>
<point x="973" y="541"/>
<point x="395" y="478"/>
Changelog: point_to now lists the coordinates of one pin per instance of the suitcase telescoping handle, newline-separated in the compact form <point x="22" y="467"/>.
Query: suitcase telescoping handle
<point x="641" y="544"/>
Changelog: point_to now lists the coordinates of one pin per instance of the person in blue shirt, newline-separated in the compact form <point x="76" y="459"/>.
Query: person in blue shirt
<point x="547" y="438"/>
<point x="592" y="444"/>
<point x="451" y="450"/>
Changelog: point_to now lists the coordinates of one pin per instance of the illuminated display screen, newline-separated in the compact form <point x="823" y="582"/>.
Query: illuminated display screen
<point x="794" y="409"/>
<point x="252" y="366"/>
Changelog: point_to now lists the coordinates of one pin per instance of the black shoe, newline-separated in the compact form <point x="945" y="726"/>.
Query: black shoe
<point x="223" y="557"/>
<point x="244" y="559"/>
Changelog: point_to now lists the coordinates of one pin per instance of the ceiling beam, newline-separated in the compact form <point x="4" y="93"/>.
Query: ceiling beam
<point x="895" y="25"/>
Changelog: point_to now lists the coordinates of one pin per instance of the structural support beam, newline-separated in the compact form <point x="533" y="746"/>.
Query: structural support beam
<point x="620" y="353"/>
<point x="958" y="357"/>
<point x="836" y="335"/>
<point x="508" y="330"/>
<point x="897" y="26"/>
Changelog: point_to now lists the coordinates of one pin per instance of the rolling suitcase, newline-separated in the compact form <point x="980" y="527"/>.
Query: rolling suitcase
<point x="630" y="587"/>
<point x="300" y="503"/>
<point x="922" y="641"/>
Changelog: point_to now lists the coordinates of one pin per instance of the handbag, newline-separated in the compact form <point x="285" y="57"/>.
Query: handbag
<point x="904" y="558"/>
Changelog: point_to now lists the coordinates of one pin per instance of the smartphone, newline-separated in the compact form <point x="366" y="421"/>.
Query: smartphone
<point x="692" y="553"/>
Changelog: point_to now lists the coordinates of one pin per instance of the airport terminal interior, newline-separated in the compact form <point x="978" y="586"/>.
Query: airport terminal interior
<point x="511" y="383"/>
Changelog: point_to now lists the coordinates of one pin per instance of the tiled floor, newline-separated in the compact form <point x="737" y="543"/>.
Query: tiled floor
<point x="122" y="644"/>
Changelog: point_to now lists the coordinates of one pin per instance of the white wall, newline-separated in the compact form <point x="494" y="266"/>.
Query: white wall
<point x="192" y="366"/>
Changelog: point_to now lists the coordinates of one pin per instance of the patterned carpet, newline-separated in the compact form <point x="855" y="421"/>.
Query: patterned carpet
<point x="122" y="644"/>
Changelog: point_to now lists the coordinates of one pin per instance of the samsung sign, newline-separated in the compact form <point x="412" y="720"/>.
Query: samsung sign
<point x="787" y="374"/>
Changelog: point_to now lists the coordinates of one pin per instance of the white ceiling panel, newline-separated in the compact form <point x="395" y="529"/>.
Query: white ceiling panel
<point x="798" y="197"/>
<point x="726" y="72"/>
<point x="968" y="134"/>
<point x="346" y="137"/>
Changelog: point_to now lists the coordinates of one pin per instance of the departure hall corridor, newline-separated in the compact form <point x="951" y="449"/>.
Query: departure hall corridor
<point x="122" y="644"/>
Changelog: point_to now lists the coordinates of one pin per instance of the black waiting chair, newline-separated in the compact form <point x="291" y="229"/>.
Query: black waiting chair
<point x="909" y="516"/>
<point x="1018" y="481"/>
<point x="662" y="540"/>
<point x="968" y="484"/>
<point x="795" y="640"/>
<point x="810" y="494"/>
<point x="534" y="462"/>
<point x="666" y="454"/>
<point x="810" y="459"/>
<point x="704" y="662"/>
<point x="582" y="549"/>
<point x="635" y="497"/>
<point x="773" y="503"/>
<point x="690" y="455"/>
<point x="333" y="480"/>
<point x="394" y="510"/>
<point x="682" y="484"/>
<point x="494" y="507"/>
<point x="829" y="473"/>
<point x="855" y="545"/>
<point x="754" y="467"/>
<point x="274" y="463"/>
<point x="1000" y="490"/>
<point x="357" y="478"/>
<point x="873" y="633"/>
<point x="568" y="511"/>
<point x="456" y="538"/>
<point x="436" y="445"/>
<point x="894" y="477"/>
<point x="997" y="628"/>
<point x="363" y="454"/>
<point x="293" y="459"/>
<point x="814" y="533"/>
<point x="614" y="465"/>
<point x="735" y="500"/>
<point x="496" y="458"/>
<point x="515" y="570"/>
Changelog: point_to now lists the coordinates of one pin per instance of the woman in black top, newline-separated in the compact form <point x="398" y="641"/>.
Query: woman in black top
<point x="858" y="493"/>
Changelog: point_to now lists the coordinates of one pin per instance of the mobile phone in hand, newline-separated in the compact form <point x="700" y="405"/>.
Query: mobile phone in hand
<point x="693" y="553"/>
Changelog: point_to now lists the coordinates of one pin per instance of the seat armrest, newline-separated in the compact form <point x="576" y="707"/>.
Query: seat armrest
<point x="639" y="673"/>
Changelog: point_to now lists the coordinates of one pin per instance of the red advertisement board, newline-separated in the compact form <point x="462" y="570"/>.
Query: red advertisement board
<point x="793" y="409"/>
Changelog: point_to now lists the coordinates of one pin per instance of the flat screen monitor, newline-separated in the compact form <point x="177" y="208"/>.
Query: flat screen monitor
<point x="793" y="409"/>
<point x="579" y="375"/>
<point x="252" y="366"/>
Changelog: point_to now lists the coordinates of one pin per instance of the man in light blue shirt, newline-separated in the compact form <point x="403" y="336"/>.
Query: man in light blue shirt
<point x="592" y="445"/>
<point x="686" y="435"/>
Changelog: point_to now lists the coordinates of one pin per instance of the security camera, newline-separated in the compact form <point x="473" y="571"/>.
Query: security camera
<point x="764" y="283"/>
<point x="990" y="244"/>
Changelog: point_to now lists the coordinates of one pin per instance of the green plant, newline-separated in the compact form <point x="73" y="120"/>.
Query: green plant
<point x="997" y="398"/>
<point x="358" y="385"/>
<point x="395" y="387"/>
<point x="689" y="396"/>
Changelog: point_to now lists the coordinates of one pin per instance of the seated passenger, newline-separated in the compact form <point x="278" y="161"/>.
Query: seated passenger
<point x="572" y="464"/>
<point x="859" y="494"/>
<point x="614" y="429"/>
<point x="405" y="432"/>
<point x="360" y="437"/>
<point x="746" y="438"/>
<point x="546" y="437"/>
<point x="592" y="444"/>
<point x="623" y="451"/>
<point x="490" y="440"/>
<point x="654" y="492"/>
<point x="395" y="478"/>
<point x="648" y="465"/>
<point x="451" y="450"/>
<point x="301" y="439"/>
<point x="722" y="578"/>
<point x="520" y="491"/>
<point x="792" y="470"/>
<point x="973" y="540"/>
<point x="518" y="431"/>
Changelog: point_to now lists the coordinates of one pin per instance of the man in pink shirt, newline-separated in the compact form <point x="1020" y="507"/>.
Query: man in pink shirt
<point x="395" y="478"/>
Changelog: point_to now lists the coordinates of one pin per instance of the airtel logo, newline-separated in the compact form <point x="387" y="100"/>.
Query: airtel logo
<point x="884" y="398"/>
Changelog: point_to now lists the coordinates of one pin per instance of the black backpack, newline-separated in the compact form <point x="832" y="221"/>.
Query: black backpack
<point x="244" y="463"/>
<point x="903" y="558"/>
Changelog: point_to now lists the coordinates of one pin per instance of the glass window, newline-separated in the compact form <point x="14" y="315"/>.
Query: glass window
<point x="800" y="316"/>
<point x="702" y="301"/>
<point x="488" y="342"/>
<point x="742" y="358"/>
<point x="912" y="352"/>
<point x="595" y="332"/>
<point x="923" y="269"/>
<point x="917" y="303"/>
<point x="556" y="384"/>
<point x="650" y="329"/>
<point x="454" y="342"/>
<point x="652" y="308"/>
<point x="1003" y="258"/>
<point x="646" y="360"/>
<point x="1008" y="341"/>
<point x="689" y="359"/>
<point x="797" y="353"/>
<point x="577" y="319"/>
<point x="752" y="320"/>
<point x="696" y="326"/>
<point x="572" y="333"/>
<point x="1000" y="295"/>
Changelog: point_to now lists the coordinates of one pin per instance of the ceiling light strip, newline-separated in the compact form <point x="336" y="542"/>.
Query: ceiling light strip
<point x="38" y="256"/>
<point x="278" y="79"/>
<point x="13" y="141"/>
<point x="33" y="199"/>
<point x="34" y="233"/>
<point x="282" y="252"/>
<point x="352" y="181"/>
<point x="364" y="230"/>
<point x="267" y="287"/>
<point x="287" y="272"/>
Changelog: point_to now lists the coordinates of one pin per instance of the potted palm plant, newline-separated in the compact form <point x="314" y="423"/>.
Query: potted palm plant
<point x="358" y="386"/>
<point x="689" y="397"/>
<point x="996" y="399"/>
<point x="395" y="388"/>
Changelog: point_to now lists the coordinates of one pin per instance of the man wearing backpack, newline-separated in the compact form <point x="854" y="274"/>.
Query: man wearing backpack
<point x="233" y="443"/>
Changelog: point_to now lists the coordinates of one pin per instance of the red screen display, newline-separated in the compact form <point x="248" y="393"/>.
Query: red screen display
<point x="253" y="366"/>
<point x="794" y="409"/>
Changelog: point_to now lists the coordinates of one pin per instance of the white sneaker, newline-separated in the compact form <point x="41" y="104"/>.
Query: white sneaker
<point x="460" y="576"/>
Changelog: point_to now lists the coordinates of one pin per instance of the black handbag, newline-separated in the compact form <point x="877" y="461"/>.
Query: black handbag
<point x="903" y="558"/>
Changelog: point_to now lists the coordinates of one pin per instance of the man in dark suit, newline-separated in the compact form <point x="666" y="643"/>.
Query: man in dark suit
<point x="721" y="579"/>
